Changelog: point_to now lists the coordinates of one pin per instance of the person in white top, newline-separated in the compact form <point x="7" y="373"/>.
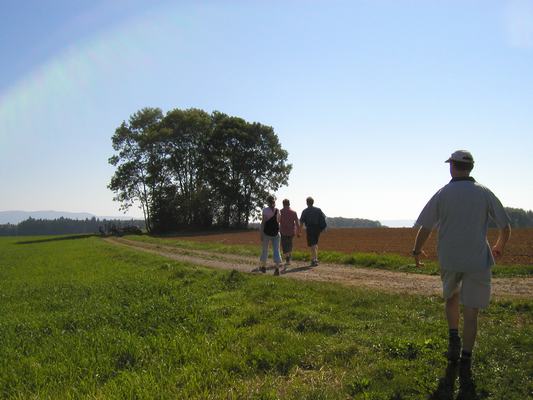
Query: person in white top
<point x="270" y="233"/>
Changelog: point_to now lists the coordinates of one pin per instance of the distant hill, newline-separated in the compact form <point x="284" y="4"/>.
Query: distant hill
<point x="341" y="222"/>
<point x="398" y="223"/>
<point x="16" y="216"/>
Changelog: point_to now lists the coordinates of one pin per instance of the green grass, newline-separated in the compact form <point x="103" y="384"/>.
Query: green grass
<point x="84" y="319"/>
<point x="391" y="262"/>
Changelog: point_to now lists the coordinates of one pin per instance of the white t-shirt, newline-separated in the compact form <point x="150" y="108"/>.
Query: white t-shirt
<point x="268" y="213"/>
<point x="461" y="211"/>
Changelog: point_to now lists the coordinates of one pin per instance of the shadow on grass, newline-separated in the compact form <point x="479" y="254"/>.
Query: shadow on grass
<point x="287" y="271"/>
<point x="298" y="269"/>
<point x="446" y="388"/>
<point x="58" y="238"/>
<point x="267" y="268"/>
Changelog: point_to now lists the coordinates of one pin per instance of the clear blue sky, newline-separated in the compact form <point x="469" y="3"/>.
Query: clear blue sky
<point x="368" y="97"/>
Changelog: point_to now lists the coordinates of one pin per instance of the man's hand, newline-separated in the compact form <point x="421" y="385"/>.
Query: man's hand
<point x="503" y="237"/>
<point x="417" y="258"/>
<point x="497" y="251"/>
<point x="421" y="237"/>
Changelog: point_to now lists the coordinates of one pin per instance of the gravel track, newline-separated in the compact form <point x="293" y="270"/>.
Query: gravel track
<point x="389" y="281"/>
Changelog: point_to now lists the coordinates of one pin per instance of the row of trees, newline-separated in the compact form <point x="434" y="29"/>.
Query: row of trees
<point x="62" y="226"/>
<point x="189" y="168"/>
<point x="341" y="222"/>
<point x="520" y="218"/>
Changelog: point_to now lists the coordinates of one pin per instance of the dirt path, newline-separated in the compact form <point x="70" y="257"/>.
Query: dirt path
<point x="397" y="282"/>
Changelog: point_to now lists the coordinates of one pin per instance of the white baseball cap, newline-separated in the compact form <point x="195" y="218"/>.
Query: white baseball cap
<point x="461" y="156"/>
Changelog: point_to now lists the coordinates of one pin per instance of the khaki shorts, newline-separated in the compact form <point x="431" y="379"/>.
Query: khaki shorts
<point x="474" y="287"/>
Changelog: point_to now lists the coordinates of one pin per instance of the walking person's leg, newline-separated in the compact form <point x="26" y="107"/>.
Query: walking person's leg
<point x="285" y="248"/>
<point x="475" y="294"/>
<point x="314" y="250"/>
<point x="450" y="290"/>
<point x="309" y="238"/>
<point x="312" y="242"/>
<point x="288" y="251"/>
<point x="452" y="311"/>
<point x="452" y="316"/>
<point x="276" y="253"/>
<point x="264" y="253"/>
<point x="469" y="328"/>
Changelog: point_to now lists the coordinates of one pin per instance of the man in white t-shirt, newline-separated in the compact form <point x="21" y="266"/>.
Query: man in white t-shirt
<point x="461" y="211"/>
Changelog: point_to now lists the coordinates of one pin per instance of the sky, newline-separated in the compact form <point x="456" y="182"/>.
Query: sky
<point x="369" y="97"/>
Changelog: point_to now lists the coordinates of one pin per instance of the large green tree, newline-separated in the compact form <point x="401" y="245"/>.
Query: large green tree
<point x="139" y="176"/>
<point x="244" y="162"/>
<point x="194" y="169"/>
<point x="185" y="135"/>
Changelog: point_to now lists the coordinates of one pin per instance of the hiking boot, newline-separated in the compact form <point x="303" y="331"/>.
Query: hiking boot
<point x="262" y="269"/>
<point x="465" y="364"/>
<point x="314" y="263"/>
<point x="454" y="348"/>
<point x="276" y="272"/>
<point x="465" y="361"/>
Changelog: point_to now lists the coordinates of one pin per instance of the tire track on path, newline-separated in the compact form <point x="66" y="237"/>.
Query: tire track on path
<point x="372" y="278"/>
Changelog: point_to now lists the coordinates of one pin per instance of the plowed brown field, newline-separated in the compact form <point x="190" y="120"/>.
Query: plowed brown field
<point x="519" y="250"/>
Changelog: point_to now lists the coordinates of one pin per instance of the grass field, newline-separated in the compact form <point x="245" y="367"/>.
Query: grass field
<point x="81" y="318"/>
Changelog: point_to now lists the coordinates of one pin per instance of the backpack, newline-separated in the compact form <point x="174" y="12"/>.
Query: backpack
<point x="271" y="227"/>
<point x="322" y="222"/>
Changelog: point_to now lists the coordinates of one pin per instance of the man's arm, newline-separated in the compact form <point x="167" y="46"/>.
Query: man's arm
<point x="302" y="219"/>
<point x="421" y="238"/>
<point x="262" y="227"/>
<point x="503" y="237"/>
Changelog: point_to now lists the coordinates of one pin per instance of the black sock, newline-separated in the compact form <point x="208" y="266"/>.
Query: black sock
<point x="454" y="333"/>
<point x="466" y="355"/>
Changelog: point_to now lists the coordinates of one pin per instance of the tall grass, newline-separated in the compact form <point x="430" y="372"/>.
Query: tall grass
<point x="81" y="318"/>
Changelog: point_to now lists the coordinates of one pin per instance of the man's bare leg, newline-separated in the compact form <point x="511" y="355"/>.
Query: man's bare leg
<point x="469" y="328"/>
<point x="314" y="253"/>
<point x="452" y="315"/>
<point x="452" y="311"/>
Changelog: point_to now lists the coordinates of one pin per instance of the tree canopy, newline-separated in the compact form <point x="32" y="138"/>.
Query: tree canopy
<point x="189" y="168"/>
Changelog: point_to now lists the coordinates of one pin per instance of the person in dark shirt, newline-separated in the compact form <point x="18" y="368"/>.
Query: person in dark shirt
<point x="315" y="222"/>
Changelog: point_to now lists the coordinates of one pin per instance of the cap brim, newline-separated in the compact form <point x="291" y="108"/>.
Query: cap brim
<point x="460" y="161"/>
